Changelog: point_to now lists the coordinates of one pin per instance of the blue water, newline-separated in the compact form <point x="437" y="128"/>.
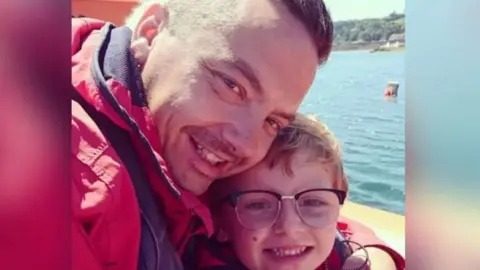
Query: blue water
<point x="348" y="96"/>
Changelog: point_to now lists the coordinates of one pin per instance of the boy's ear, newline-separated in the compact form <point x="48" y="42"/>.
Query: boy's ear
<point x="222" y="236"/>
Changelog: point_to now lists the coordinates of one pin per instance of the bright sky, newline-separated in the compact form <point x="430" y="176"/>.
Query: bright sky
<point x="359" y="9"/>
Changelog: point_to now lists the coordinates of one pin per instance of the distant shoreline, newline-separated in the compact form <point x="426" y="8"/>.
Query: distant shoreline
<point x="384" y="34"/>
<point x="371" y="47"/>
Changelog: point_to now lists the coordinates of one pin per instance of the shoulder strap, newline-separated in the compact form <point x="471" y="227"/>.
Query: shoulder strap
<point x="156" y="250"/>
<point x="342" y="247"/>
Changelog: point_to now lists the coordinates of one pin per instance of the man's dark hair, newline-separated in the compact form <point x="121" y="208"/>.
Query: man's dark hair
<point x="313" y="14"/>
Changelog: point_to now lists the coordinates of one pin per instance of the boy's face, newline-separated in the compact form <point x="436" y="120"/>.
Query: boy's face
<point x="289" y="243"/>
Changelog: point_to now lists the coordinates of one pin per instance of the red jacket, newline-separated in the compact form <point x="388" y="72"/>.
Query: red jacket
<point x="212" y="255"/>
<point x="106" y="217"/>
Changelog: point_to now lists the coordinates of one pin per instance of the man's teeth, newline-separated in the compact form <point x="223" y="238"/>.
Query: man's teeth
<point x="209" y="156"/>
<point x="283" y="252"/>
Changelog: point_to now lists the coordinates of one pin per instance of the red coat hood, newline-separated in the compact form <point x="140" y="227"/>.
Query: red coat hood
<point x="106" y="75"/>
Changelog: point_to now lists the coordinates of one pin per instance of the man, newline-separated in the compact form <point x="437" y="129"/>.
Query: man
<point x="197" y="90"/>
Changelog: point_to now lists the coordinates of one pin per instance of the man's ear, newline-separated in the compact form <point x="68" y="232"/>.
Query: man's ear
<point x="148" y="20"/>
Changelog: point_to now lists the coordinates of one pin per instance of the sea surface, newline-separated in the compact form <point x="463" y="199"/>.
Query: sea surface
<point x="348" y="96"/>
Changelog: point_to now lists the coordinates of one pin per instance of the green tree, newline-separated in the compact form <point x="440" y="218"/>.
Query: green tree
<point x="353" y="36"/>
<point x="377" y="34"/>
<point x="365" y="36"/>
<point x="369" y="29"/>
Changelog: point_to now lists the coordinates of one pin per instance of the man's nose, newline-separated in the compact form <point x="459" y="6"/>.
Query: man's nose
<point x="288" y="221"/>
<point x="244" y="135"/>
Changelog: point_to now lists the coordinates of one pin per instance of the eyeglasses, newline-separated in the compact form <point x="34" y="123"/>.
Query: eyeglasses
<point x="260" y="209"/>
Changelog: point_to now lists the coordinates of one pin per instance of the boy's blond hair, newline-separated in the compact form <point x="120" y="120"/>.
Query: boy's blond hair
<point x="305" y="134"/>
<point x="308" y="134"/>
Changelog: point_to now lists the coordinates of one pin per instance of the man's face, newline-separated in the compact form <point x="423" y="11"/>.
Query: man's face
<point x="220" y="95"/>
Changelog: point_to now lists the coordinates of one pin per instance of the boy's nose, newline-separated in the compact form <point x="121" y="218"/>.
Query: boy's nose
<point x="288" y="222"/>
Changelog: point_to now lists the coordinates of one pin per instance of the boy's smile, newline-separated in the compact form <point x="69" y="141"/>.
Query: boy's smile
<point x="289" y="243"/>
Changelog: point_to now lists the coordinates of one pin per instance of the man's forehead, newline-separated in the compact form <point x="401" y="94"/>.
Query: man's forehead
<point x="269" y="46"/>
<point x="277" y="46"/>
<point x="231" y="15"/>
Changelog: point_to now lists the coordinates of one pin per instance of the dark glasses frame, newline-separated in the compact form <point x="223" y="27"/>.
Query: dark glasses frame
<point x="233" y="197"/>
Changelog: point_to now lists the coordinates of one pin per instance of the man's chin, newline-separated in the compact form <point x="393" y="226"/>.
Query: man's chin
<point x="234" y="171"/>
<point x="193" y="182"/>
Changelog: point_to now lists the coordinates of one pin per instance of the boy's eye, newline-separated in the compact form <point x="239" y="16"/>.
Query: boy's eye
<point x="313" y="202"/>
<point x="258" y="206"/>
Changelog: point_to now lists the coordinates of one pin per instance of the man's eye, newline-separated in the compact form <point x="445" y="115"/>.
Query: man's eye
<point x="276" y="126"/>
<point x="232" y="85"/>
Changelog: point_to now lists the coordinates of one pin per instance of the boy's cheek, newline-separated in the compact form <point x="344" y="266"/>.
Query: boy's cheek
<point x="325" y="239"/>
<point x="248" y="246"/>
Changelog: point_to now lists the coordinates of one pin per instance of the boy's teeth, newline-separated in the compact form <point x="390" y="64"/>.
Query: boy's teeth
<point x="209" y="156"/>
<point x="283" y="252"/>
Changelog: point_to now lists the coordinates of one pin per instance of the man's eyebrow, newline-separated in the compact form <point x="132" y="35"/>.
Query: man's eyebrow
<point x="247" y="71"/>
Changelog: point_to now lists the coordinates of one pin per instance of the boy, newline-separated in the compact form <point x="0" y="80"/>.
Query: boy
<point x="283" y="213"/>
